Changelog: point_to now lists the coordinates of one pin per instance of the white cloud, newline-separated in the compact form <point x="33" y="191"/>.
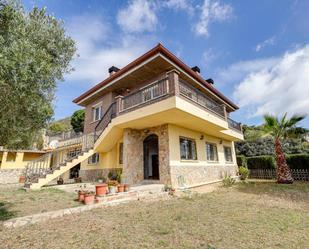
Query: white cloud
<point x="267" y="42"/>
<point x="184" y="5"/>
<point x="139" y="16"/>
<point x="212" y="11"/>
<point x="98" y="50"/>
<point x="278" y="87"/>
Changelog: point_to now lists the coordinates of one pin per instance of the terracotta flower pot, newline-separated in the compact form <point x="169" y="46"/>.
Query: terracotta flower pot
<point x="21" y="179"/>
<point x="81" y="195"/>
<point x="126" y="187"/>
<point x="101" y="189"/>
<point x="120" y="187"/>
<point x="89" y="199"/>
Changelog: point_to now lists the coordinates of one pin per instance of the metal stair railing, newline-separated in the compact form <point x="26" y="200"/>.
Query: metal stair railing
<point x="105" y="120"/>
<point x="52" y="161"/>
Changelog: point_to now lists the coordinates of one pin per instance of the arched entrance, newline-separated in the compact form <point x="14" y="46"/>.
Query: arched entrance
<point x="151" y="157"/>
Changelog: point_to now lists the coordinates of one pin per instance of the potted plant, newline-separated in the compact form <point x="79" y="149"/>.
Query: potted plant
<point x="22" y="179"/>
<point x="112" y="186"/>
<point x="81" y="195"/>
<point x="89" y="197"/>
<point x="126" y="187"/>
<point x="60" y="181"/>
<point x="120" y="187"/>
<point x="101" y="189"/>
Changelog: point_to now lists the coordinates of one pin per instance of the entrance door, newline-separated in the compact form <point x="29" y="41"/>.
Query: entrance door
<point x="151" y="157"/>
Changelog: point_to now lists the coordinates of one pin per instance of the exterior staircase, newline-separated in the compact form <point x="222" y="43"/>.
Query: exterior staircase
<point x="53" y="164"/>
<point x="68" y="154"/>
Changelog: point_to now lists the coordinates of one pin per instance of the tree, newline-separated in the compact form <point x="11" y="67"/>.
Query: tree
<point x="77" y="120"/>
<point x="57" y="127"/>
<point x="35" y="53"/>
<point x="279" y="129"/>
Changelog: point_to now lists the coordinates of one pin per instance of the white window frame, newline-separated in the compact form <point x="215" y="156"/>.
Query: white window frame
<point x="195" y="150"/>
<point x="208" y="156"/>
<point x="94" y="113"/>
<point x="94" y="159"/>
<point x="225" y="155"/>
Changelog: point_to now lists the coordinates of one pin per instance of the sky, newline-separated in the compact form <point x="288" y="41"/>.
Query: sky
<point x="257" y="52"/>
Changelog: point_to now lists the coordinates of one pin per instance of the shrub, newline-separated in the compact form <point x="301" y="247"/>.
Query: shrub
<point x="228" y="181"/>
<point x="244" y="172"/>
<point x="298" y="161"/>
<point x="241" y="161"/>
<point x="261" y="162"/>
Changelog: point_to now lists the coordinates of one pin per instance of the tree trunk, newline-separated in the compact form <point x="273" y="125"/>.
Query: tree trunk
<point x="283" y="171"/>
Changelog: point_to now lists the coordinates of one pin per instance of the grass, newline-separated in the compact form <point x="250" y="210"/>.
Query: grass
<point x="250" y="215"/>
<point x="15" y="202"/>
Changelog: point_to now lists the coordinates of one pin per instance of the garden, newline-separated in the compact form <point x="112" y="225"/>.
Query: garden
<point x="249" y="214"/>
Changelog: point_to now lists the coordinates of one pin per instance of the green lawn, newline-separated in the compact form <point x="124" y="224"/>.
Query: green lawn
<point x="251" y="215"/>
<point x="15" y="202"/>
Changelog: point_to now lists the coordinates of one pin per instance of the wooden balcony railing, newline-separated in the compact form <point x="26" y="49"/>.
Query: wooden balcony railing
<point x="146" y="94"/>
<point x="234" y="125"/>
<point x="155" y="92"/>
<point x="200" y="98"/>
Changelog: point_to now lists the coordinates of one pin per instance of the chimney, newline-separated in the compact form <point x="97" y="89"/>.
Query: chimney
<point x="210" y="81"/>
<point x="113" y="70"/>
<point x="196" y="69"/>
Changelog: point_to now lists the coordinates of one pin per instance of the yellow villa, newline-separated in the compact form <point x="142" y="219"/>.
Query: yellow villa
<point x="156" y="120"/>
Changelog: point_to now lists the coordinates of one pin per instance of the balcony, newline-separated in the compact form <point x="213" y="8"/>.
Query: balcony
<point x="159" y="92"/>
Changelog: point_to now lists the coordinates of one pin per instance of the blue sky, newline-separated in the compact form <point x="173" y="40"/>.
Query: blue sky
<point x="257" y="52"/>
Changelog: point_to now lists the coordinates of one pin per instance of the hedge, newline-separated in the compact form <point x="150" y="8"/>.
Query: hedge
<point x="296" y="161"/>
<point x="261" y="162"/>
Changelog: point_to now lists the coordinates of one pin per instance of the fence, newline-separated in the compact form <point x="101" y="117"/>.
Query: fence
<point x="297" y="174"/>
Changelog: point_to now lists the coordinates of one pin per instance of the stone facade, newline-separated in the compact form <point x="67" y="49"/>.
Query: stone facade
<point x="189" y="176"/>
<point x="10" y="176"/>
<point x="133" y="162"/>
<point x="92" y="175"/>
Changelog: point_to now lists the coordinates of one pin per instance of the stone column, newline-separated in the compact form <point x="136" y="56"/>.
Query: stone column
<point x="173" y="80"/>
<point x="119" y="106"/>
<point x="133" y="171"/>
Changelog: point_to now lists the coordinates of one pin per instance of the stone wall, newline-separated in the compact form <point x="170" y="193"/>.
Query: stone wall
<point x="187" y="176"/>
<point x="133" y="163"/>
<point x="10" y="176"/>
<point x="92" y="175"/>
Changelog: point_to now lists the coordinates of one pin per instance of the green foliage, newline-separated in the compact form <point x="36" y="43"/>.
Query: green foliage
<point x="280" y="128"/>
<point x="295" y="161"/>
<point x="241" y="161"/>
<point x="35" y="53"/>
<point x="265" y="146"/>
<point x="115" y="175"/>
<point x="261" y="162"/>
<point x="299" y="161"/>
<point x="244" y="172"/>
<point x="57" y="127"/>
<point x="77" y="120"/>
<point x="228" y="181"/>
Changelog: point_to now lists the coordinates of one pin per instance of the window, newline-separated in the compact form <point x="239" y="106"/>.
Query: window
<point x="228" y="154"/>
<point x="187" y="149"/>
<point x="94" y="159"/>
<point x="121" y="153"/>
<point x="97" y="113"/>
<point x="211" y="152"/>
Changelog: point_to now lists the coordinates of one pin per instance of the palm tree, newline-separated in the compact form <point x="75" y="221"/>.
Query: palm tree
<point x="280" y="129"/>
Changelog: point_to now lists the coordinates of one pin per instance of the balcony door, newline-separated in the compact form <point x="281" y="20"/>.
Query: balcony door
<point x="151" y="157"/>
